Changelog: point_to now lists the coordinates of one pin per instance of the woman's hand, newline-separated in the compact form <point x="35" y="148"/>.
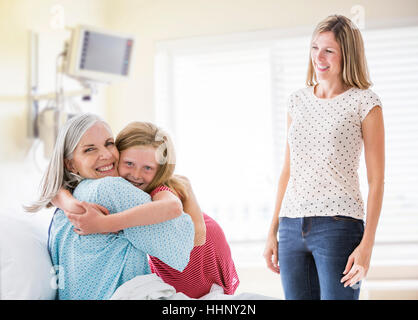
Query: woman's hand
<point x="357" y="265"/>
<point x="271" y="254"/>
<point x="93" y="220"/>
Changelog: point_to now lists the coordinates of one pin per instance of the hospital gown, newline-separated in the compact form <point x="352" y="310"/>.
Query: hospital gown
<point x="94" y="266"/>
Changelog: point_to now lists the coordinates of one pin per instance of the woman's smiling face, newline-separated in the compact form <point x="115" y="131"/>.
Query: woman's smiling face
<point x="96" y="155"/>
<point x="326" y="56"/>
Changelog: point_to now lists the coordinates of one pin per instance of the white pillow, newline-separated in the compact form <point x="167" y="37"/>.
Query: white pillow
<point x="25" y="266"/>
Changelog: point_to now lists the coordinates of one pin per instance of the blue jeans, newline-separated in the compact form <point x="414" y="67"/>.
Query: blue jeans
<point x="313" y="253"/>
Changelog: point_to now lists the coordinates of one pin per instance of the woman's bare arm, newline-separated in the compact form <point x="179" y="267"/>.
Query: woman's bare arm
<point x="271" y="249"/>
<point x="92" y="218"/>
<point x="165" y="206"/>
<point x="66" y="202"/>
<point x="374" y="152"/>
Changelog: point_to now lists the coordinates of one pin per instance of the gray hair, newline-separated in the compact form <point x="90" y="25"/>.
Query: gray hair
<point x="57" y="175"/>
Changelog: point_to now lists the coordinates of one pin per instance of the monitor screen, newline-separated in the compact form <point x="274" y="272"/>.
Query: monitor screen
<point x="105" y="53"/>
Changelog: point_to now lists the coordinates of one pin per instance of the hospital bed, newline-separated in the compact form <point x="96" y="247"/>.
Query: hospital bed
<point x="26" y="271"/>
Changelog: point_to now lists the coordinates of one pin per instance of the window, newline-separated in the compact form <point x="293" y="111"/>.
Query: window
<point x="225" y="104"/>
<point x="393" y="63"/>
<point x="222" y="127"/>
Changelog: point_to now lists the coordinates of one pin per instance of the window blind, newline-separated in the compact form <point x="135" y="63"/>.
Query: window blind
<point x="221" y="121"/>
<point x="393" y="63"/>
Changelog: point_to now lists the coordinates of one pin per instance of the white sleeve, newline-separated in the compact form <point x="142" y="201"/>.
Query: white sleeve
<point x="368" y="101"/>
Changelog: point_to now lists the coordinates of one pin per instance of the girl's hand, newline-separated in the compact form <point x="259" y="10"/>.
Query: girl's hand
<point x="93" y="220"/>
<point x="357" y="265"/>
<point x="271" y="254"/>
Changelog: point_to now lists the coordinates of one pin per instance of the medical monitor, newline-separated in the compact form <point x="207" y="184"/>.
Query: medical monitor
<point x="99" y="55"/>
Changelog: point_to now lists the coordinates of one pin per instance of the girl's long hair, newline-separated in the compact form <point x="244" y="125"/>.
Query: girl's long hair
<point x="147" y="134"/>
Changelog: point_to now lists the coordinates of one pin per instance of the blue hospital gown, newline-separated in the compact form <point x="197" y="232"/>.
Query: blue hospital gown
<point x="94" y="266"/>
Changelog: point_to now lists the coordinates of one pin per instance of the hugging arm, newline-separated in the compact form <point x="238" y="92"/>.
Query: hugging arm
<point x="91" y="218"/>
<point x="65" y="201"/>
<point x="192" y="208"/>
<point x="170" y="241"/>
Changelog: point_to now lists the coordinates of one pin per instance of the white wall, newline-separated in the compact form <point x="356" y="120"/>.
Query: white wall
<point x="17" y="17"/>
<point x="19" y="174"/>
<point x="149" y="21"/>
<point x="155" y="20"/>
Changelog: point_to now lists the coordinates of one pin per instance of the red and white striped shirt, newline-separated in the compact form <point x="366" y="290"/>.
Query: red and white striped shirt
<point x="209" y="264"/>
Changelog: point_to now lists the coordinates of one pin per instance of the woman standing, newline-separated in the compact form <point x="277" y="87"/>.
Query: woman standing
<point x="324" y="249"/>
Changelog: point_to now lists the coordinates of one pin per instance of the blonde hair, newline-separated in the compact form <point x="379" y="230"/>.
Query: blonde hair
<point x="355" y="72"/>
<point x="147" y="134"/>
<point x="56" y="174"/>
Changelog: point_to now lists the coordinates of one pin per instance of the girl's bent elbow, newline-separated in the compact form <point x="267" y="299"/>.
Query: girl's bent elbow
<point x="176" y="208"/>
<point x="200" y="235"/>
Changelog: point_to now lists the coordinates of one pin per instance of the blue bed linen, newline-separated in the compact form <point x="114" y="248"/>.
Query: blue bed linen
<point x="94" y="266"/>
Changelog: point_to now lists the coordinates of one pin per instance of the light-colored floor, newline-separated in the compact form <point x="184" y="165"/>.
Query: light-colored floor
<point x="259" y="280"/>
<point x="264" y="282"/>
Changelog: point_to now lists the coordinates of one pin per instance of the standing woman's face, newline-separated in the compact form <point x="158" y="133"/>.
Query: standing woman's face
<point x="96" y="155"/>
<point x="326" y="57"/>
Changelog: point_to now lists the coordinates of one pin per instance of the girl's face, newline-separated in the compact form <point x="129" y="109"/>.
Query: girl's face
<point x="326" y="57"/>
<point x="96" y="155"/>
<point x="138" y="165"/>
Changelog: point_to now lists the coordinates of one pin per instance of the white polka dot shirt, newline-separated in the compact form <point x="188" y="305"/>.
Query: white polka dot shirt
<point x="325" y="141"/>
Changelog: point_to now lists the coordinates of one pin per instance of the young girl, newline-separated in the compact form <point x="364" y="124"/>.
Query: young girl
<point x="147" y="160"/>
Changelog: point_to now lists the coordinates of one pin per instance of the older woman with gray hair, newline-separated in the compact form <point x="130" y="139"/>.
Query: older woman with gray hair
<point x="85" y="162"/>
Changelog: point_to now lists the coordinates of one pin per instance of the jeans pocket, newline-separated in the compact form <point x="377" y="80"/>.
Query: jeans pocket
<point x="345" y="218"/>
<point x="355" y="226"/>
